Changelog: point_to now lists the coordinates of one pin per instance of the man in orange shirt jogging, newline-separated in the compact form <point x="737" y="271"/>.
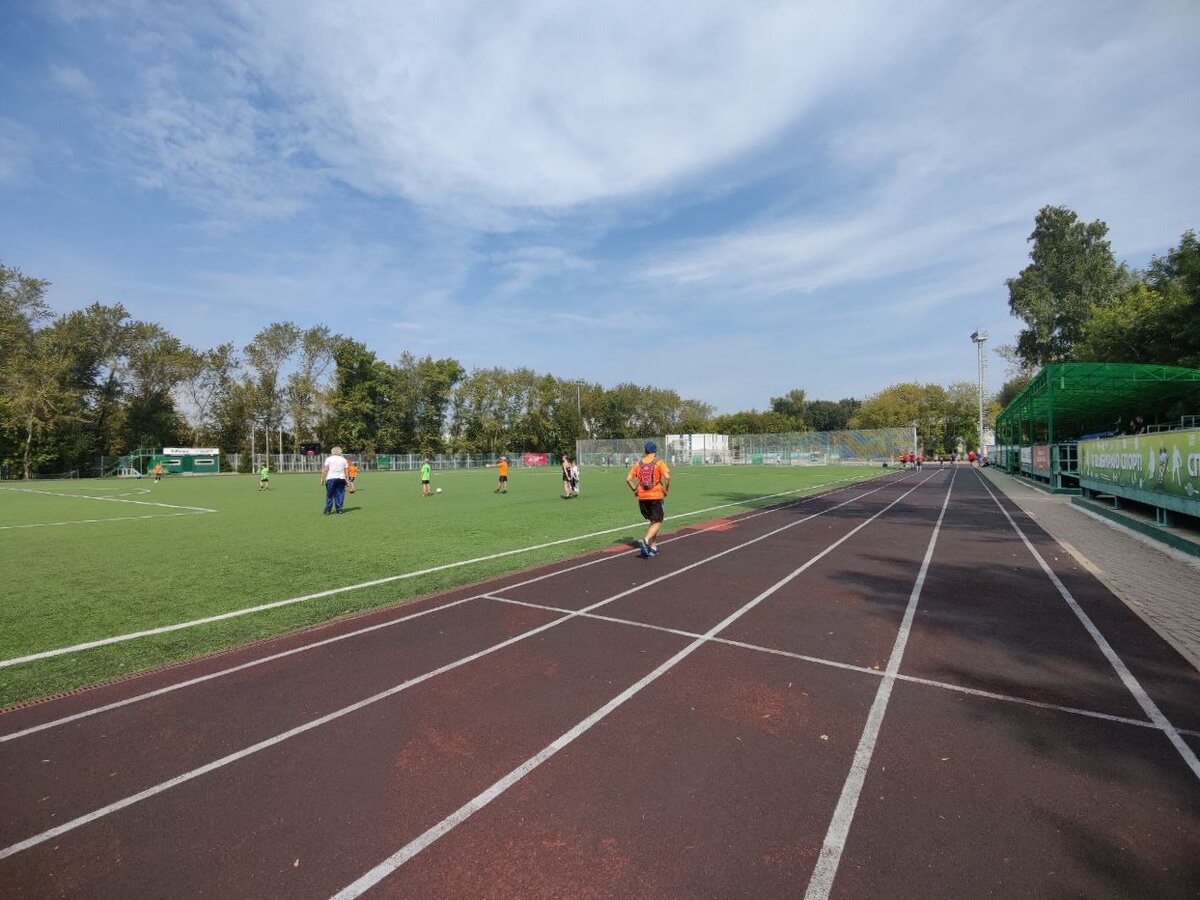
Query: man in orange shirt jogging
<point x="649" y="479"/>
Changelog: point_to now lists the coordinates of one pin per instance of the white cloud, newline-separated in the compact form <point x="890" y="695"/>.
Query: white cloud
<point x="73" y="81"/>
<point x="953" y="151"/>
<point x="546" y="104"/>
<point x="481" y="113"/>
<point x="18" y="147"/>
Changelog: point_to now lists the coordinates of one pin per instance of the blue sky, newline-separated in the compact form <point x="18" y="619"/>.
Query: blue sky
<point x="729" y="199"/>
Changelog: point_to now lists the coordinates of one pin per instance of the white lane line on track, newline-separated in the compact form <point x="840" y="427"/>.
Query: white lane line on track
<point x="154" y="790"/>
<point x="830" y="856"/>
<point x="1149" y="707"/>
<point x="276" y="604"/>
<point x="321" y="643"/>
<point x="850" y="667"/>
<point x="199" y="509"/>
<point x="431" y="835"/>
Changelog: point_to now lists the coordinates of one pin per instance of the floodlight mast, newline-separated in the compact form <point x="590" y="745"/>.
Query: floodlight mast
<point x="979" y="338"/>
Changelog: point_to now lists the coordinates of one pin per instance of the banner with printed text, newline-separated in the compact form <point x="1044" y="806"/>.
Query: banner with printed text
<point x="1165" y="463"/>
<point x="537" y="459"/>
<point x="1041" y="458"/>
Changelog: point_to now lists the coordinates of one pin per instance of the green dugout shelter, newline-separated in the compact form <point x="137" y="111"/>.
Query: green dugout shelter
<point x="1036" y="434"/>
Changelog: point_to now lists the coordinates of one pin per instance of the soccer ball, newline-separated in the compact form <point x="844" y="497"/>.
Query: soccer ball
<point x="438" y="491"/>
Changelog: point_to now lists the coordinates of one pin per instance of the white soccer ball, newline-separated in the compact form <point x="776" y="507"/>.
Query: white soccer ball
<point x="438" y="491"/>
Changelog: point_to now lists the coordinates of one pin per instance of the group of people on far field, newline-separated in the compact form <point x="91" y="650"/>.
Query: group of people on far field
<point x="917" y="460"/>
<point x="649" y="479"/>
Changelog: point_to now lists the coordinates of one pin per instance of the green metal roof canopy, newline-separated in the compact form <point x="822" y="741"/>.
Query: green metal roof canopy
<point x="1067" y="400"/>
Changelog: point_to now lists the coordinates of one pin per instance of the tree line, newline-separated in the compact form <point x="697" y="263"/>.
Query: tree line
<point x="95" y="382"/>
<point x="1078" y="304"/>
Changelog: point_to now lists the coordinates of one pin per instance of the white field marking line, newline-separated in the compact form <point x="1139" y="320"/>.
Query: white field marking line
<point x="102" y="521"/>
<point x="850" y="667"/>
<point x="396" y="689"/>
<point x="306" y="647"/>
<point x="821" y="881"/>
<point x="321" y="643"/>
<point x="202" y="509"/>
<point x="1149" y="707"/>
<point x="262" y="607"/>
<point x="464" y="812"/>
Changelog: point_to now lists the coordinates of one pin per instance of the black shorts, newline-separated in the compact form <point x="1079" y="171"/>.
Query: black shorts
<point x="424" y="481"/>
<point x="504" y="479"/>
<point x="651" y="509"/>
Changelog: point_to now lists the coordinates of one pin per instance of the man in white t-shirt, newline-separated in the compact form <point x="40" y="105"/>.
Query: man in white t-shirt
<point x="333" y="476"/>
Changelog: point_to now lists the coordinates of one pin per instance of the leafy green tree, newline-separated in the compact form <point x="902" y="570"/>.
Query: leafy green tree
<point x="1177" y="276"/>
<point x="207" y="378"/>
<point x="434" y="382"/>
<point x="39" y="393"/>
<point x="694" y="417"/>
<point x="158" y="363"/>
<point x="825" y="415"/>
<point x="306" y="391"/>
<point x="793" y="406"/>
<point x="936" y="413"/>
<point x="1071" y="273"/>
<point x="266" y="357"/>
<point x="22" y="307"/>
<point x="960" y="418"/>
<point x="361" y="390"/>
<point x="1139" y="326"/>
<point x="1009" y="390"/>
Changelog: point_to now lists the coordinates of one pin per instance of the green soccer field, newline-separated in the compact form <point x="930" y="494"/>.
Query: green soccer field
<point x="88" y="560"/>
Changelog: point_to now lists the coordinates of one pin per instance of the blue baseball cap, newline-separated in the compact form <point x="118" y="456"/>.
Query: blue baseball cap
<point x="651" y="446"/>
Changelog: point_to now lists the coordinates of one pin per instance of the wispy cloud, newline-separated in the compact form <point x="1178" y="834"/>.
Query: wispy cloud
<point x="73" y="81"/>
<point x="18" y="146"/>
<point x="841" y="182"/>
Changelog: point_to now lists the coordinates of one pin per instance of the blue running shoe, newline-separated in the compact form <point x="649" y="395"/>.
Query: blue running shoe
<point x="654" y="551"/>
<point x="643" y="549"/>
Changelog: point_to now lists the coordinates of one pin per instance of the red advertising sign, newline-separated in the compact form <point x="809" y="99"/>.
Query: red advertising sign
<point x="1041" y="458"/>
<point x="537" y="459"/>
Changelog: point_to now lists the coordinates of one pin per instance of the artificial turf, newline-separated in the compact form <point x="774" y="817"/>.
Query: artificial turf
<point x="127" y="566"/>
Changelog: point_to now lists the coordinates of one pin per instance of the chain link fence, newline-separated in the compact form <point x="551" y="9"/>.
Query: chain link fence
<point x="866" y="446"/>
<point x="384" y="462"/>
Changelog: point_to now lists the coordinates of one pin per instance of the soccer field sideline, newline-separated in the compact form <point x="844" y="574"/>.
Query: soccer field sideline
<point x="106" y="602"/>
<point x="88" y="645"/>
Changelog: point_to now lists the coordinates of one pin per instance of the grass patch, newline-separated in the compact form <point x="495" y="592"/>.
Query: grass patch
<point x="96" y="579"/>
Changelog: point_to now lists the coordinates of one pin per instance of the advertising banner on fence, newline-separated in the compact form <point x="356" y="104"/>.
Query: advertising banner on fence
<point x="1166" y="463"/>
<point x="537" y="459"/>
<point x="1041" y="458"/>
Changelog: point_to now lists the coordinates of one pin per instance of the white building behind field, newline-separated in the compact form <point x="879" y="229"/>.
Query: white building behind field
<point x="697" y="449"/>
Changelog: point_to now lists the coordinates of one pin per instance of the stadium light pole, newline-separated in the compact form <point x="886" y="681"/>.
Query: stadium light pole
<point x="979" y="338"/>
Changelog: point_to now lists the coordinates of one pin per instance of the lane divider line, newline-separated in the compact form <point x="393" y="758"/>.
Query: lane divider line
<point x="850" y="667"/>
<point x="361" y="631"/>
<point x="1149" y="707"/>
<point x="226" y="760"/>
<point x="481" y="800"/>
<point x="821" y="881"/>
<point x="276" y="604"/>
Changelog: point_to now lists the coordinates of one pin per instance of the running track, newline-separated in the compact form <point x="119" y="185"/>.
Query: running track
<point x="876" y="692"/>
